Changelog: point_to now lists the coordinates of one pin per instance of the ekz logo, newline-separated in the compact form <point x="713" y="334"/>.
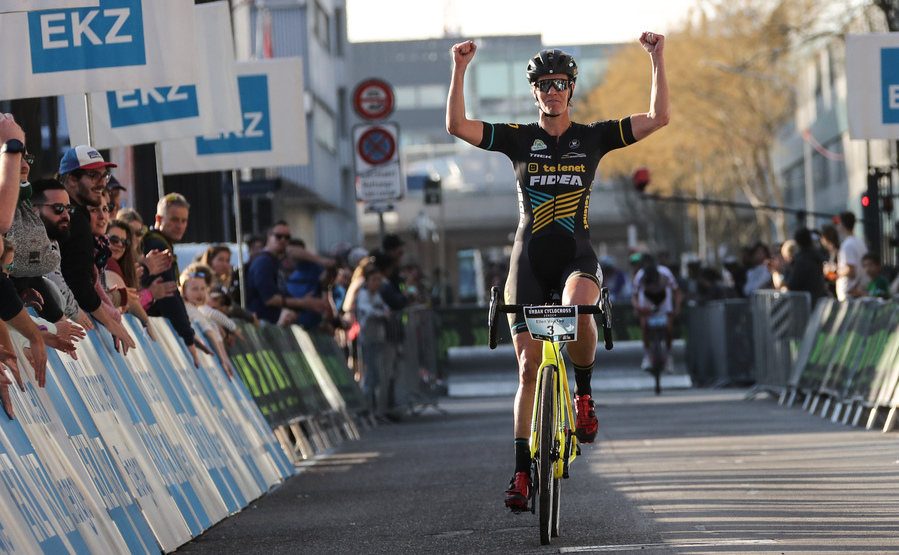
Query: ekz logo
<point x="152" y="105"/>
<point x="87" y="38"/>
<point x="889" y="81"/>
<point x="257" y="133"/>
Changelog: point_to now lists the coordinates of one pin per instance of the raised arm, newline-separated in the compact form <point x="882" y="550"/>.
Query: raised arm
<point x="644" y="125"/>
<point x="10" y="166"/>
<point x="457" y="124"/>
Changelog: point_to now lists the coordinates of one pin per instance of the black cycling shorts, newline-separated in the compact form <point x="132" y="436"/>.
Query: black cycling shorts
<point x="543" y="265"/>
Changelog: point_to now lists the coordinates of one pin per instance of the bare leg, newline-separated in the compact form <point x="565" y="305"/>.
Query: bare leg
<point x="529" y="352"/>
<point x="582" y="290"/>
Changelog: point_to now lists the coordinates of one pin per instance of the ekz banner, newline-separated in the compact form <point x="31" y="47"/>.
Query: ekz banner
<point x="209" y="104"/>
<point x="7" y="6"/>
<point x="274" y="125"/>
<point x="872" y="73"/>
<point x="144" y="43"/>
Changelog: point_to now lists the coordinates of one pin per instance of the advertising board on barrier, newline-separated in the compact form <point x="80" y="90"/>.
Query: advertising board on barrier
<point x="208" y="103"/>
<point x="145" y="43"/>
<point x="274" y="125"/>
<point x="872" y="77"/>
<point x="7" y="6"/>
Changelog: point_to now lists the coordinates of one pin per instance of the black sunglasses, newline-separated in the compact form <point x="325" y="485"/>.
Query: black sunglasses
<point x="281" y="236"/>
<point x="115" y="240"/>
<point x="59" y="208"/>
<point x="559" y="84"/>
<point x="29" y="158"/>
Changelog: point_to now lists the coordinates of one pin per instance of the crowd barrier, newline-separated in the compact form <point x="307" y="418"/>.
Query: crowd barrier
<point x="720" y="343"/>
<point x="848" y="367"/>
<point x="133" y="454"/>
<point x="779" y="321"/>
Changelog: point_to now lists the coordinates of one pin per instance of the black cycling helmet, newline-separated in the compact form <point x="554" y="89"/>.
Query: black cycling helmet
<point x="551" y="61"/>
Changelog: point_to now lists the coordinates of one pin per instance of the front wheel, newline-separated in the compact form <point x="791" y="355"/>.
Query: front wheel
<point x="547" y="455"/>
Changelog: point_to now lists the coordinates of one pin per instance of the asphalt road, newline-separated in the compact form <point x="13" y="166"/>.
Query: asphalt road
<point x="692" y="471"/>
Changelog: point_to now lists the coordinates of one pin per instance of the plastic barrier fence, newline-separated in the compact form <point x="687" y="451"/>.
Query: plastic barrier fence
<point x="779" y="321"/>
<point x="134" y="454"/>
<point x="848" y="367"/>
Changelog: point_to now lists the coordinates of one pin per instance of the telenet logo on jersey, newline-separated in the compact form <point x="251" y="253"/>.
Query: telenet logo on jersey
<point x="87" y="38"/>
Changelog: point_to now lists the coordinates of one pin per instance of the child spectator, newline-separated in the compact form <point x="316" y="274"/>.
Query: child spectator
<point x="194" y="281"/>
<point x="879" y="286"/>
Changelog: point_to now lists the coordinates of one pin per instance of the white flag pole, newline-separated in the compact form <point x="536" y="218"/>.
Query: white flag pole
<point x="235" y="191"/>
<point x="160" y="186"/>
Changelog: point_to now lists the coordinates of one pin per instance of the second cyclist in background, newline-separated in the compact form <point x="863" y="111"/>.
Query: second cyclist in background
<point x="656" y="286"/>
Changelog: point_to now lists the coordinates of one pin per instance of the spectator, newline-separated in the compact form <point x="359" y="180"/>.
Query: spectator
<point x="224" y="280"/>
<point x="758" y="276"/>
<point x="121" y="271"/>
<point x="266" y="286"/>
<point x="416" y="290"/>
<point x="614" y="278"/>
<point x="849" y="258"/>
<point x="879" y="286"/>
<point x="195" y="282"/>
<point x="830" y="241"/>
<point x="305" y="280"/>
<point x="13" y="140"/>
<point x="51" y="202"/>
<point x="12" y="312"/>
<point x="114" y="188"/>
<point x="172" y="213"/>
<point x="806" y="270"/>
<point x="372" y="313"/>
<point x="393" y="248"/>
<point x="84" y="173"/>
<point x="112" y="300"/>
<point x="36" y="256"/>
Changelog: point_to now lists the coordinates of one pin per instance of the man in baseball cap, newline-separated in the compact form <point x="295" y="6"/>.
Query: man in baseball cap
<point x="84" y="157"/>
<point x="84" y="173"/>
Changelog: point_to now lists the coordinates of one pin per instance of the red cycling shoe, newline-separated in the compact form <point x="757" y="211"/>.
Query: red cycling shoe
<point x="519" y="492"/>
<point x="586" y="425"/>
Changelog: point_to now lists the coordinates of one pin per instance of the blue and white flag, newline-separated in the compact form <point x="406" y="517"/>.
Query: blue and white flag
<point x="872" y="76"/>
<point x="133" y="43"/>
<point x="274" y="125"/>
<point x="208" y="104"/>
<point x="7" y="6"/>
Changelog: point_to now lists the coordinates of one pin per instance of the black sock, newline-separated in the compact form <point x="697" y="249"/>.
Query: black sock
<point x="582" y="377"/>
<point x="522" y="455"/>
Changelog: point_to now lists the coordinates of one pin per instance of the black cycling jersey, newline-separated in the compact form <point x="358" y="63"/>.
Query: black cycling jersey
<point x="554" y="180"/>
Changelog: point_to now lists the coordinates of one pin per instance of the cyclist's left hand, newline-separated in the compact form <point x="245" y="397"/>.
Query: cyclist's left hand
<point x="653" y="43"/>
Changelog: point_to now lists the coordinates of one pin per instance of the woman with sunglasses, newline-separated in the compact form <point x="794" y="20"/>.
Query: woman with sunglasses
<point x="121" y="270"/>
<point x="555" y="162"/>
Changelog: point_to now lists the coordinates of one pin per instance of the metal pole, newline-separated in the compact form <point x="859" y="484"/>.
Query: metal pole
<point x="443" y="244"/>
<point x="808" y="170"/>
<point x="700" y="195"/>
<point x="89" y="112"/>
<point x="160" y="185"/>
<point x="235" y="198"/>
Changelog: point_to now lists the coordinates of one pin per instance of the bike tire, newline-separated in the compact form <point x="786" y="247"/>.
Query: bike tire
<point x="546" y="452"/>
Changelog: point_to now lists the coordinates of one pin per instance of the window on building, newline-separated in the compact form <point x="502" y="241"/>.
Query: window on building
<point x="339" y="32"/>
<point x="493" y="80"/>
<point x="321" y="27"/>
<point x="324" y="127"/>
<point x="421" y="97"/>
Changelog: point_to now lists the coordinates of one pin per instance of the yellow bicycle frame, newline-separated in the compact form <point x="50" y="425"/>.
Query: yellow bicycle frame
<point x="553" y="356"/>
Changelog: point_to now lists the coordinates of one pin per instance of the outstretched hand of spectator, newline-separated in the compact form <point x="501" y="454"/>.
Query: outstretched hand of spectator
<point x="9" y="359"/>
<point x="32" y="299"/>
<point x="161" y="289"/>
<point x="84" y="320"/>
<point x="59" y="343"/>
<point x="69" y="330"/>
<point x="158" y="261"/>
<point x="5" y="382"/>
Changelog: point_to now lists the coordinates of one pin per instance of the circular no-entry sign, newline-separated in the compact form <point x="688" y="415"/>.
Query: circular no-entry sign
<point x="376" y="146"/>
<point x="373" y="99"/>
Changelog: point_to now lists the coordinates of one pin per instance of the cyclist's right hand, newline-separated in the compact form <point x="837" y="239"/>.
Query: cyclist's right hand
<point x="463" y="52"/>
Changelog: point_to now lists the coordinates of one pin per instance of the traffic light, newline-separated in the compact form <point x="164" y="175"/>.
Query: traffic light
<point x="641" y="179"/>
<point x="871" y="212"/>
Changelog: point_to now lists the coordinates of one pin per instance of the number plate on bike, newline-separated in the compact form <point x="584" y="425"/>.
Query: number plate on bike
<point x="658" y="320"/>
<point x="556" y="324"/>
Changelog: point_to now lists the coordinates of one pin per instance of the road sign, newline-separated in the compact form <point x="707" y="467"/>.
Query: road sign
<point x="373" y="99"/>
<point x="432" y="191"/>
<point x="377" y="162"/>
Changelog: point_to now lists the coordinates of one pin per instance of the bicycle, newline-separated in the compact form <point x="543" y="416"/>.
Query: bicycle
<point x="553" y="448"/>
<point x="657" y="327"/>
